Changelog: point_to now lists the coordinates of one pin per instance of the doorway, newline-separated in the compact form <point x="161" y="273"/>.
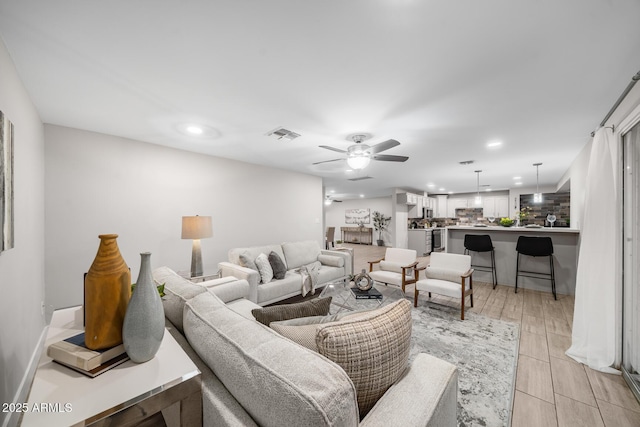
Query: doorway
<point x="631" y="260"/>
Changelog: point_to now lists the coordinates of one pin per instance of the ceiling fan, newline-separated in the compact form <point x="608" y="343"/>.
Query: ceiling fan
<point x="359" y="155"/>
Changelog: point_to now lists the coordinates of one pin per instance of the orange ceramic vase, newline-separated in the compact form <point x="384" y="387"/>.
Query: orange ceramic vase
<point x="107" y="290"/>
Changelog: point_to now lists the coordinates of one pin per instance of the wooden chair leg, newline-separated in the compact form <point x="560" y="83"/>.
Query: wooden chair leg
<point x="462" y="301"/>
<point x="415" y="297"/>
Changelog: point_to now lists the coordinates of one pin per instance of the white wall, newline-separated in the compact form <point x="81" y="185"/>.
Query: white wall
<point x="22" y="284"/>
<point x="335" y="217"/>
<point x="97" y="184"/>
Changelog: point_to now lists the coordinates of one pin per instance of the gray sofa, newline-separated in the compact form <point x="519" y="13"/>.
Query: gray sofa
<point x="252" y="376"/>
<point x="334" y="265"/>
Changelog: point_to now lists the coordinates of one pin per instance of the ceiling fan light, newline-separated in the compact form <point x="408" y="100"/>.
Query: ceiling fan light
<point x="358" y="161"/>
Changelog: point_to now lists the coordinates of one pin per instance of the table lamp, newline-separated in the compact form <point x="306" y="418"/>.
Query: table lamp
<point x="196" y="228"/>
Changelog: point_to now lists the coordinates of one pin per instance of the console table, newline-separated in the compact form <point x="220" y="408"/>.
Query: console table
<point x="129" y="394"/>
<point x="363" y="235"/>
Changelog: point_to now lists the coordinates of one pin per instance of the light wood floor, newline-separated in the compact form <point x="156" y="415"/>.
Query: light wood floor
<point x="551" y="388"/>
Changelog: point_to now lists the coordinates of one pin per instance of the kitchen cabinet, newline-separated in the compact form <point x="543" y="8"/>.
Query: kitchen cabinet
<point x="415" y="211"/>
<point x="497" y="206"/>
<point x="407" y="198"/>
<point x="453" y="204"/>
<point x="440" y="210"/>
<point x="430" y="203"/>
<point x="420" y="240"/>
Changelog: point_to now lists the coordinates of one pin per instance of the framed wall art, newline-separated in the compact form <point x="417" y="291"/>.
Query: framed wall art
<point x="6" y="183"/>
<point x="357" y="216"/>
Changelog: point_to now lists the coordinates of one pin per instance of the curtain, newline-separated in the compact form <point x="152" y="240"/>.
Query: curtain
<point x="594" y="318"/>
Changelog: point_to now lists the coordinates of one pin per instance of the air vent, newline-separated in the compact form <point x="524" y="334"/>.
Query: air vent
<point x="467" y="162"/>
<point x="283" y="133"/>
<point x="360" y="178"/>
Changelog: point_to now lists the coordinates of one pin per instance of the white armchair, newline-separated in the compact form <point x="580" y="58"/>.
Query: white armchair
<point x="398" y="267"/>
<point x="447" y="275"/>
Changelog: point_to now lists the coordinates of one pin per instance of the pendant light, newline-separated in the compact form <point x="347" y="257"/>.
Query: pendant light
<point x="478" y="198"/>
<point x="537" y="197"/>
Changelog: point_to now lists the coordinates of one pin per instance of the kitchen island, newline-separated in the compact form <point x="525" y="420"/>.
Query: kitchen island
<point x="565" y="255"/>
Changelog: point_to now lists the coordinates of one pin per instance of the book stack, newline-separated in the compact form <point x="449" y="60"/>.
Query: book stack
<point x="372" y="293"/>
<point x="74" y="354"/>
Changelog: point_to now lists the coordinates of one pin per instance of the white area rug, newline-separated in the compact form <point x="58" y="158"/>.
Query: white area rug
<point x="485" y="350"/>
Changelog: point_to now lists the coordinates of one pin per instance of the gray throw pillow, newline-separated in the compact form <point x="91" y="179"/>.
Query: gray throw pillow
<point x="279" y="270"/>
<point x="314" y="307"/>
<point x="247" y="261"/>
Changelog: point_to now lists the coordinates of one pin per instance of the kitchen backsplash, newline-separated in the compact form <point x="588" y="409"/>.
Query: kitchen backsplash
<point x="557" y="203"/>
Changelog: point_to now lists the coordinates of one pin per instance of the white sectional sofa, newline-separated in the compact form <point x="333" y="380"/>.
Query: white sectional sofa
<point x="252" y="376"/>
<point x="334" y="265"/>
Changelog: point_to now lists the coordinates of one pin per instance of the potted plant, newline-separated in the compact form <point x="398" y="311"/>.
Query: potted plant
<point x="523" y="214"/>
<point x="380" y="223"/>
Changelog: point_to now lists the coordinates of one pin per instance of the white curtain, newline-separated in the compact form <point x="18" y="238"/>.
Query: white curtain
<point x="594" y="317"/>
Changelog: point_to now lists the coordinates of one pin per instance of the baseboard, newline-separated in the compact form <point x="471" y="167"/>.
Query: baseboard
<point x="25" y="385"/>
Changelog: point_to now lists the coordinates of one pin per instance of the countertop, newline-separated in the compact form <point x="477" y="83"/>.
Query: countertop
<point x="516" y="229"/>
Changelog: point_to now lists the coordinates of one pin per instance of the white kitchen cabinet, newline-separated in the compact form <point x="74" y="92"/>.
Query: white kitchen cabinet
<point x="407" y="198"/>
<point x="453" y="204"/>
<point x="430" y="203"/>
<point x="440" y="210"/>
<point x="420" y="240"/>
<point x="497" y="206"/>
<point x="502" y="206"/>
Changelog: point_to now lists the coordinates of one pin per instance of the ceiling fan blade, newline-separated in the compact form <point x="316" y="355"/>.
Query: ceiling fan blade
<point x="332" y="148"/>
<point x="390" y="143"/>
<point x="390" y="158"/>
<point x="327" y="161"/>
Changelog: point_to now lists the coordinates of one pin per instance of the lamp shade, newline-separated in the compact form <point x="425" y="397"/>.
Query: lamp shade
<point x="196" y="227"/>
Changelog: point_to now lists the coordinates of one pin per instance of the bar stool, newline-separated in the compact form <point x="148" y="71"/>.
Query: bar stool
<point x="536" y="247"/>
<point x="482" y="243"/>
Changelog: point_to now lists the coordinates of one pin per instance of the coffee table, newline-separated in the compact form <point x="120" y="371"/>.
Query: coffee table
<point x="344" y="299"/>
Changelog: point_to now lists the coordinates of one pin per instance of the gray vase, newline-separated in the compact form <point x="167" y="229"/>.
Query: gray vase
<point x="143" y="327"/>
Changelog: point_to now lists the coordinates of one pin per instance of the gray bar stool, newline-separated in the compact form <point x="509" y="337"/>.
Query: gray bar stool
<point x="536" y="247"/>
<point x="482" y="243"/>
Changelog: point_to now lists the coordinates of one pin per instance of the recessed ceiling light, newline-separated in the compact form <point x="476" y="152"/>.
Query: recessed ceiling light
<point x="196" y="130"/>
<point x="450" y="192"/>
<point x="517" y="177"/>
<point x="487" y="189"/>
<point x="362" y="195"/>
<point x="349" y="170"/>
<point x="518" y="183"/>
<point x="333" y="191"/>
<point x="431" y="185"/>
<point x="440" y="189"/>
<point x="494" y="144"/>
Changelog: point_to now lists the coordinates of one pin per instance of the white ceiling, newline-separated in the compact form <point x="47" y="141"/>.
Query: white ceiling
<point x="442" y="77"/>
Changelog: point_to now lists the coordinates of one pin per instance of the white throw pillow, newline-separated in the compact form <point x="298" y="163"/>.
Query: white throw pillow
<point x="264" y="268"/>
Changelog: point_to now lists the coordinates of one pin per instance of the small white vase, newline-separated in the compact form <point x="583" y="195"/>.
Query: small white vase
<point x="143" y="327"/>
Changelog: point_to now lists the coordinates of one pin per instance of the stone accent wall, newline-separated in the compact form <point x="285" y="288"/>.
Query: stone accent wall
<point x="557" y="203"/>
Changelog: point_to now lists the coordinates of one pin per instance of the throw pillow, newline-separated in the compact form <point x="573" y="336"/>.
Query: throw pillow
<point x="331" y="260"/>
<point x="442" y="274"/>
<point x="264" y="268"/>
<point x="247" y="261"/>
<point x="305" y="329"/>
<point x="314" y="307"/>
<point x="279" y="270"/>
<point x="391" y="266"/>
<point x="372" y="348"/>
